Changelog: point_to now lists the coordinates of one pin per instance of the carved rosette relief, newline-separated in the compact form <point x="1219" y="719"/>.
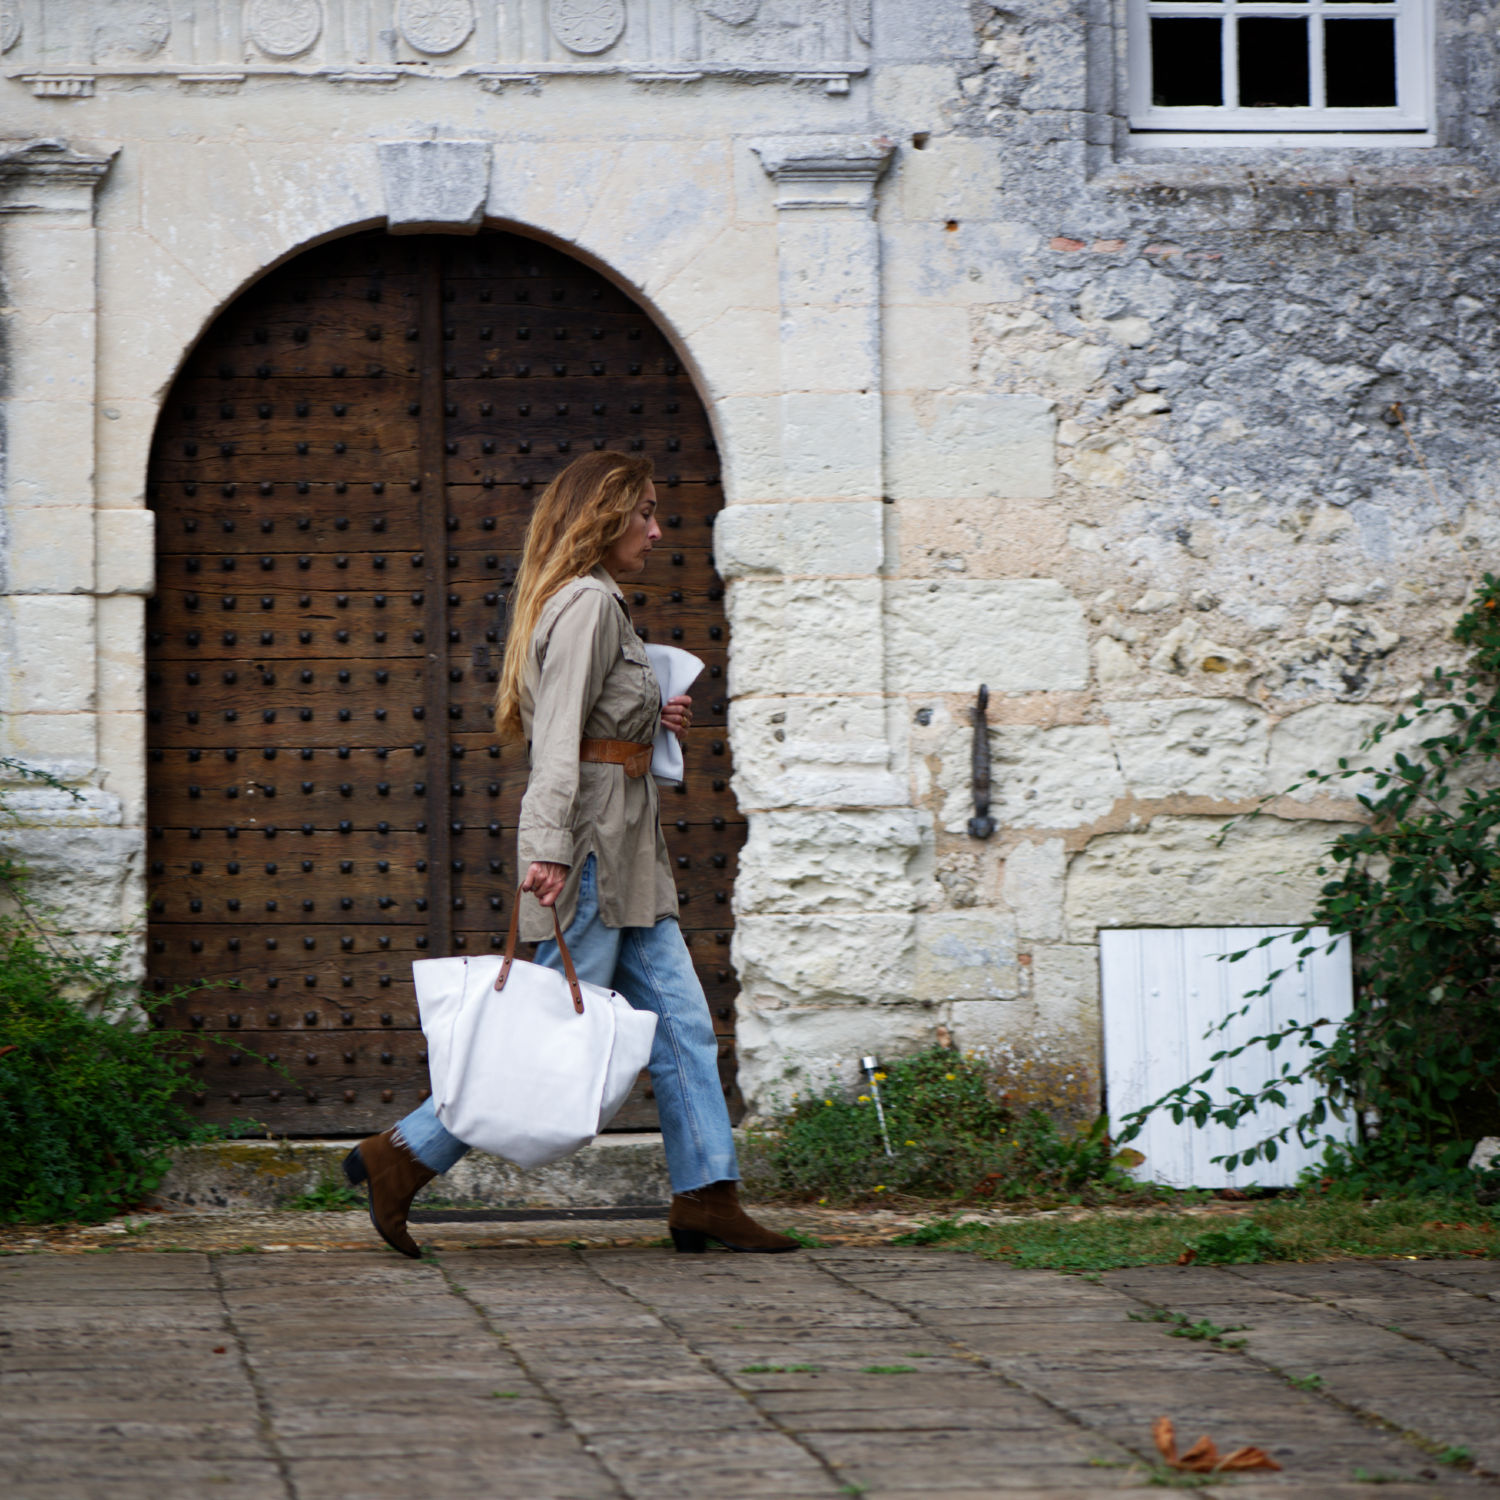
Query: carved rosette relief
<point x="10" y="24"/>
<point x="587" y="26"/>
<point x="730" y="12"/>
<point x="283" y="28"/>
<point x="132" y="33"/>
<point x="435" y="26"/>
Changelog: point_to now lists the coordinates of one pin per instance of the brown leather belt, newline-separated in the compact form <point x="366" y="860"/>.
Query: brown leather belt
<point x="635" y="758"/>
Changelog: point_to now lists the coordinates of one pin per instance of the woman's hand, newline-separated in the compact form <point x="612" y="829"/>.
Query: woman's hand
<point x="677" y="715"/>
<point x="546" y="880"/>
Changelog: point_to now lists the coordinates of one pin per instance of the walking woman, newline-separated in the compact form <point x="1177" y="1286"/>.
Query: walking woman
<point x="578" y="687"/>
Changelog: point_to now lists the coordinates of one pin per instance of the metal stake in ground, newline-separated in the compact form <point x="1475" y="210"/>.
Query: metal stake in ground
<point x="871" y="1067"/>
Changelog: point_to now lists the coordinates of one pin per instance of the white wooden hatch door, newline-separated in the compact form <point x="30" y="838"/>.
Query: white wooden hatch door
<point x="1164" y="988"/>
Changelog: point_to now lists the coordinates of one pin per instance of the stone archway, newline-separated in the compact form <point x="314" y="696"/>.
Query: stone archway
<point x="341" y="477"/>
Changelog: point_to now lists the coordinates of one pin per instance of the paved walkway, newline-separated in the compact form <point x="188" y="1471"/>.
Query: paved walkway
<point x="549" y="1373"/>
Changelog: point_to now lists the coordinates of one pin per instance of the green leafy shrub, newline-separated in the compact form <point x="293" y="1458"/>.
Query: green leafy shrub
<point x="89" y="1092"/>
<point x="1417" y="890"/>
<point x="89" y="1098"/>
<point x="952" y="1134"/>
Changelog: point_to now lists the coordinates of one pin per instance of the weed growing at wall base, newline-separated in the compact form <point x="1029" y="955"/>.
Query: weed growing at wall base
<point x="952" y="1135"/>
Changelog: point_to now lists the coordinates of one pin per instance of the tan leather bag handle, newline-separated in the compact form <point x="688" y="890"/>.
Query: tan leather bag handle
<point x="562" y="947"/>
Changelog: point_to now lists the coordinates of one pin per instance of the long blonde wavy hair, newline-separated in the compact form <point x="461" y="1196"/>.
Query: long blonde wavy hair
<point x="578" y="518"/>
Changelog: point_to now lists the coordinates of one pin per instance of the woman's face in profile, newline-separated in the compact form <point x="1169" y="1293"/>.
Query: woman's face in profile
<point x="627" y="557"/>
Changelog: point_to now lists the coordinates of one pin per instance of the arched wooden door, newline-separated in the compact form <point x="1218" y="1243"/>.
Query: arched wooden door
<point x="342" y="477"/>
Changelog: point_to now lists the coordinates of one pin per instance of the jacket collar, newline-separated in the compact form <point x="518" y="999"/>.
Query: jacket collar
<point x="601" y="575"/>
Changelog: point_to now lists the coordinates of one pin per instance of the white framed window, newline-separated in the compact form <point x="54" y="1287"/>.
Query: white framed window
<point x="1232" y="69"/>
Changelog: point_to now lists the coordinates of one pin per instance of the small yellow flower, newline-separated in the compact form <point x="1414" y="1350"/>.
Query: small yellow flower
<point x="950" y="1076"/>
<point x="879" y="1187"/>
<point x="911" y="1143"/>
<point x="879" y="1077"/>
<point x="822" y="1200"/>
<point x="864" y="1098"/>
<point x="829" y="1103"/>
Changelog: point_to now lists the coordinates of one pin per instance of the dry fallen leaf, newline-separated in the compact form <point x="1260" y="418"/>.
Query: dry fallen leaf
<point x="1203" y="1456"/>
<point x="1187" y="1257"/>
<point x="1246" y="1458"/>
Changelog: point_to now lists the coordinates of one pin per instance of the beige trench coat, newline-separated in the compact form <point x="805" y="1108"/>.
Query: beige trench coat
<point x="587" y="676"/>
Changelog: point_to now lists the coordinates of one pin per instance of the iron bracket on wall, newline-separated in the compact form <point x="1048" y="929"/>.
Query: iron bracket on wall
<point x="981" y="825"/>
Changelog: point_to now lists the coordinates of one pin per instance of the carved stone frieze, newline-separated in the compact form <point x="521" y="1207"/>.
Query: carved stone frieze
<point x="435" y="27"/>
<point x="796" y="32"/>
<point x="63" y="48"/>
<point x="283" y="28"/>
<point x="587" y="26"/>
<point x="730" y="12"/>
<point x="132" y="32"/>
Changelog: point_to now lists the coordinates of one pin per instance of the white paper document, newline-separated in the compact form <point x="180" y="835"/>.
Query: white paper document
<point x="676" y="671"/>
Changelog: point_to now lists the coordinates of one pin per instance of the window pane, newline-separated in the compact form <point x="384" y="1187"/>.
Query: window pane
<point x="1186" y="62"/>
<point x="1273" y="63"/>
<point x="1359" y="60"/>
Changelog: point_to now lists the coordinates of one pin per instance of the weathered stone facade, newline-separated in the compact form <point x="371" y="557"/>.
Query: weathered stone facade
<point x="1188" y="454"/>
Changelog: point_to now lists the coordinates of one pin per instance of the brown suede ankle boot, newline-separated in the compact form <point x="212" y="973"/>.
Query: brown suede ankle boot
<point x="394" y="1176"/>
<point x="714" y="1213"/>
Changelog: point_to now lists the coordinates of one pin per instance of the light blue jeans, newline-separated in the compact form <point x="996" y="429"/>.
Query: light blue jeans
<point x="651" y="968"/>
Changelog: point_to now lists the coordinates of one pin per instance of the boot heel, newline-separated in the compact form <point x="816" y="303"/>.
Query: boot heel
<point x="354" y="1167"/>
<point x="689" y="1241"/>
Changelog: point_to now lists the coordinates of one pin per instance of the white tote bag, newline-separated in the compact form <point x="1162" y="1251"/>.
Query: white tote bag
<point x="527" y="1063"/>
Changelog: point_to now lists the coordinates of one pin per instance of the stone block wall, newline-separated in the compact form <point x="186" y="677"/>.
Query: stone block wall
<point x="1187" y="454"/>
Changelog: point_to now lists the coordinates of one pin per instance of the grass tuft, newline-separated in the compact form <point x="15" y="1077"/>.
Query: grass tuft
<point x="1298" y="1227"/>
<point x="328" y="1197"/>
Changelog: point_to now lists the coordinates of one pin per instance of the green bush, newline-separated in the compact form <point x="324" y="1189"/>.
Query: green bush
<point x="89" y="1097"/>
<point x="952" y="1134"/>
<point x="89" y="1092"/>
<point x="1417" y="1062"/>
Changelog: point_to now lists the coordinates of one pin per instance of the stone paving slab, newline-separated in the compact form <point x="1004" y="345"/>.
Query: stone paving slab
<point x="609" y="1373"/>
<point x="1416" y="1354"/>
